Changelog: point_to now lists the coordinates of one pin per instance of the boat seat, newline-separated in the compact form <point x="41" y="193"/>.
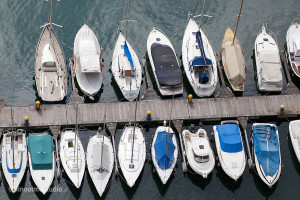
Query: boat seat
<point x="203" y="78"/>
<point x="292" y="56"/>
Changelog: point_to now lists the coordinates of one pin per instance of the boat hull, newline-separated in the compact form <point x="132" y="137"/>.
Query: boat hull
<point x="293" y="34"/>
<point x="294" y="129"/>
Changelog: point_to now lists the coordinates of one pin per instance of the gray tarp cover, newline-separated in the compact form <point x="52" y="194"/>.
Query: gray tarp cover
<point x="166" y="67"/>
<point x="271" y="67"/>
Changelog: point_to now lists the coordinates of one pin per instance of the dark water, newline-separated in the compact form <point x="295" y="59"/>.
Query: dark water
<point x="19" y="33"/>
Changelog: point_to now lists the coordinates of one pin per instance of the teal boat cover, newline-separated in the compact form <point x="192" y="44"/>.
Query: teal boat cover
<point x="40" y="148"/>
<point x="230" y="138"/>
<point x="164" y="153"/>
<point x="266" y="146"/>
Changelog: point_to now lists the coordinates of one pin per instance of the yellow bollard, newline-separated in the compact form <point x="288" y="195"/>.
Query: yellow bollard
<point x="26" y="122"/>
<point x="37" y="105"/>
<point x="149" y="115"/>
<point x="282" y="108"/>
<point x="190" y="99"/>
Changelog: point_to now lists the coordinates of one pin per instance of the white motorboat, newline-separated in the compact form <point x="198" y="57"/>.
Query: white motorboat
<point x="230" y="148"/>
<point x="132" y="153"/>
<point x="164" y="151"/>
<point x="72" y="156"/>
<point x="126" y="68"/>
<point x="198" y="151"/>
<point x="14" y="157"/>
<point x="100" y="161"/>
<point x="41" y="160"/>
<point x="267" y="152"/>
<point x="268" y="64"/>
<point x="50" y="65"/>
<point x="294" y="129"/>
<point x="88" y="61"/>
<point x="293" y="47"/>
<point x="198" y="60"/>
<point x="164" y="63"/>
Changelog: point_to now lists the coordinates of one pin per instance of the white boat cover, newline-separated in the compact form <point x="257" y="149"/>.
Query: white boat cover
<point x="104" y="162"/>
<point x="271" y="67"/>
<point x="87" y="50"/>
<point x="235" y="62"/>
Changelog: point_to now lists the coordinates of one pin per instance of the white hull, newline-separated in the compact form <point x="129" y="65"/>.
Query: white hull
<point x="72" y="159"/>
<point x="233" y="164"/>
<point x="192" y="142"/>
<point x="132" y="166"/>
<point x="152" y="38"/>
<point x="90" y="82"/>
<point x="164" y="175"/>
<point x="99" y="177"/>
<point x="189" y="52"/>
<point x="269" y="71"/>
<point x="268" y="180"/>
<point x="129" y="85"/>
<point x="292" y="36"/>
<point x="14" y="159"/>
<point x="294" y="129"/>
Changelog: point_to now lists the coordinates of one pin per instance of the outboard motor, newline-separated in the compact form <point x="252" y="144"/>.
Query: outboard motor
<point x="192" y="128"/>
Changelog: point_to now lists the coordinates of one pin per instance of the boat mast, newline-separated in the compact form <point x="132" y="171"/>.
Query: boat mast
<point x="237" y="22"/>
<point x="195" y="8"/>
<point x="103" y="138"/>
<point x="13" y="138"/>
<point x="134" y="130"/>
<point x="76" y="138"/>
<point x="201" y="14"/>
<point x="167" y="140"/>
<point x="50" y="13"/>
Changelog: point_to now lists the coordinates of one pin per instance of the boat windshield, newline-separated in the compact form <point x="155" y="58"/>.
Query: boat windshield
<point x="201" y="159"/>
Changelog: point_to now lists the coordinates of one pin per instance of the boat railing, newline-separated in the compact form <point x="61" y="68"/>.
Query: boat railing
<point x="295" y="20"/>
<point x="270" y="31"/>
<point x="230" y="122"/>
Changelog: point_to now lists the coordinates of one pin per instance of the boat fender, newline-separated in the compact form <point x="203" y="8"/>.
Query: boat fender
<point x="102" y="86"/>
<point x="33" y="78"/>
<point x="143" y="75"/>
<point x="112" y="78"/>
<point x="102" y="59"/>
<point x="183" y="73"/>
<point x="181" y="66"/>
<point x="180" y="57"/>
<point x="36" y="93"/>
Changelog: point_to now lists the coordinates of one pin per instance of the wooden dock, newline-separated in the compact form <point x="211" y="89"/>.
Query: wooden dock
<point x="208" y="109"/>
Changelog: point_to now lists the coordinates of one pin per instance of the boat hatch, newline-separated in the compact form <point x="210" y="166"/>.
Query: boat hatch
<point x="70" y="144"/>
<point x="266" y="39"/>
<point x="201" y="159"/>
<point x="131" y="166"/>
<point x="49" y="66"/>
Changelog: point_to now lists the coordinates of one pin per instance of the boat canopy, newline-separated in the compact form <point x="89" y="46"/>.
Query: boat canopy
<point x="128" y="54"/>
<point x="40" y="148"/>
<point x="230" y="138"/>
<point x="266" y="145"/>
<point x="235" y="62"/>
<point x="101" y="160"/>
<point x="166" y="66"/>
<point x="199" y="61"/>
<point x="87" y="50"/>
<point x="271" y="67"/>
<point x="164" y="153"/>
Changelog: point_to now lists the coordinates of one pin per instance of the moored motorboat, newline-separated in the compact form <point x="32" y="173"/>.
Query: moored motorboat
<point x="230" y="148"/>
<point x="88" y="61"/>
<point x="164" y="63"/>
<point x="268" y="64"/>
<point x="132" y="153"/>
<point x="294" y="129"/>
<point x="14" y="157"/>
<point x="293" y="47"/>
<point x="198" y="60"/>
<point x="198" y="151"/>
<point x="267" y="152"/>
<point x="100" y="161"/>
<point x="72" y="156"/>
<point x="41" y="160"/>
<point x="50" y="65"/>
<point x="164" y="152"/>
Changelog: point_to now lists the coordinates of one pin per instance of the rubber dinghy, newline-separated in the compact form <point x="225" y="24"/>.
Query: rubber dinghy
<point x="100" y="161"/>
<point x="268" y="64"/>
<point x="294" y="129"/>
<point x="126" y="68"/>
<point x="198" y="151"/>
<point x="72" y="156"/>
<point x="230" y="148"/>
<point x="41" y="160"/>
<point x="198" y="60"/>
<point x="88" y="61"/>
<point x="132" y="153"/>
<point x="164" y="150"/>
<point x="164" y="63"/>
<point x="267" y="152"/>
<point x="14" y="157"/>
<point x="293" y="47"/>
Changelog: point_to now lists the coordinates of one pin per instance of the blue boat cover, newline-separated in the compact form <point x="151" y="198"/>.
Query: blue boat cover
<point x="230" y="138"/>
<point x="203" y="78"/>
<point x="128" y="54"/>
<point x="266" y="145"/>
<point x="201" y="47"/>
<point x="199" y="61"/>
<point x="164" y="155"/>
<point x="40" y="148"/>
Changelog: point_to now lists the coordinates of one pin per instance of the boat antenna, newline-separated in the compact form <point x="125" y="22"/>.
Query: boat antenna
<point x="13" y="137"/>
<point x="195" y="8"/>
<point x="237" y="22"/>
<point x="202" y="13"/>
<point x="102" y="138"/>
<point x="134" y="129"/>
<point x="167" y="140"/>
